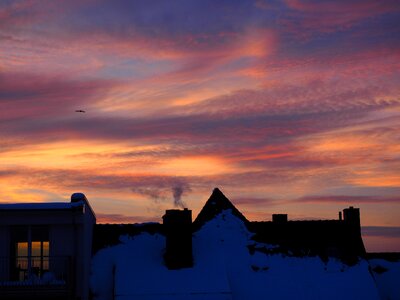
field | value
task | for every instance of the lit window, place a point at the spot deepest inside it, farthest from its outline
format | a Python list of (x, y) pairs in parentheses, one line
[(32, 252)]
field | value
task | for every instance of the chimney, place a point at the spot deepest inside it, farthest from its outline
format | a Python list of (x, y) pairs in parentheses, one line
[(279, 218), (178, 231), (351, 216)]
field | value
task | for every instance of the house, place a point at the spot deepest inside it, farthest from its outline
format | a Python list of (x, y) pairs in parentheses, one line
[(223, 256), (45, 249)]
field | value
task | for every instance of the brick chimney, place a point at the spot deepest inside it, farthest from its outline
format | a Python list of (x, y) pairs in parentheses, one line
[(178, 231)]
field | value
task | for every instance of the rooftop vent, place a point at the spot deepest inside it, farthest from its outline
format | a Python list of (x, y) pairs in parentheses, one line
[(77, 197)]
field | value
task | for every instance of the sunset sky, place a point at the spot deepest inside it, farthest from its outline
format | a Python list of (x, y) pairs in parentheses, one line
[(287, 106)]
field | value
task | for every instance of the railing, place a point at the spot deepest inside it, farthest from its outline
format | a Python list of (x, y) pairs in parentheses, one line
[(35, 271)]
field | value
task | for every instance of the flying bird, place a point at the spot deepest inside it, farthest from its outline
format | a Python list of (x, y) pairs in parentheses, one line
[(80, 111)]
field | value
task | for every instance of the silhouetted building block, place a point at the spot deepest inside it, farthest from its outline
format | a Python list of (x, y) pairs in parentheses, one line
[(279, 218), (178, 232), (44, 243)]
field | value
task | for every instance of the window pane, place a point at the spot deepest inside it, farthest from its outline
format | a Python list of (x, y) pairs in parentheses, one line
[(45, 264), (22, 249), (22, 263), (22, 259), (36, 248), (35, 262), (45, 248)]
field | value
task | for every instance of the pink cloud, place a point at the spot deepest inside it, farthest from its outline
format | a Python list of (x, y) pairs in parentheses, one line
[(330, 16), (19, 15), (247, 116), (366, 7), (34, 96)]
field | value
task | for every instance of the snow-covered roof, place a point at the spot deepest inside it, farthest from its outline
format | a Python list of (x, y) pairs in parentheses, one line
[(214, 206), (224, 268)]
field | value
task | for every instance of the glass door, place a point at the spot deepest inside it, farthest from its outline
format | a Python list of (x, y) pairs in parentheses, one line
[(22, 260), (31, 247), (40, 257)]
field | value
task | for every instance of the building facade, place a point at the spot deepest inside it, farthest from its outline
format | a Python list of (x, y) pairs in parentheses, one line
[(45, 249)]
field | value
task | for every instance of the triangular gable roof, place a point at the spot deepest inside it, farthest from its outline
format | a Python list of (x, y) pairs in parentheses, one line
[(217, 203)]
